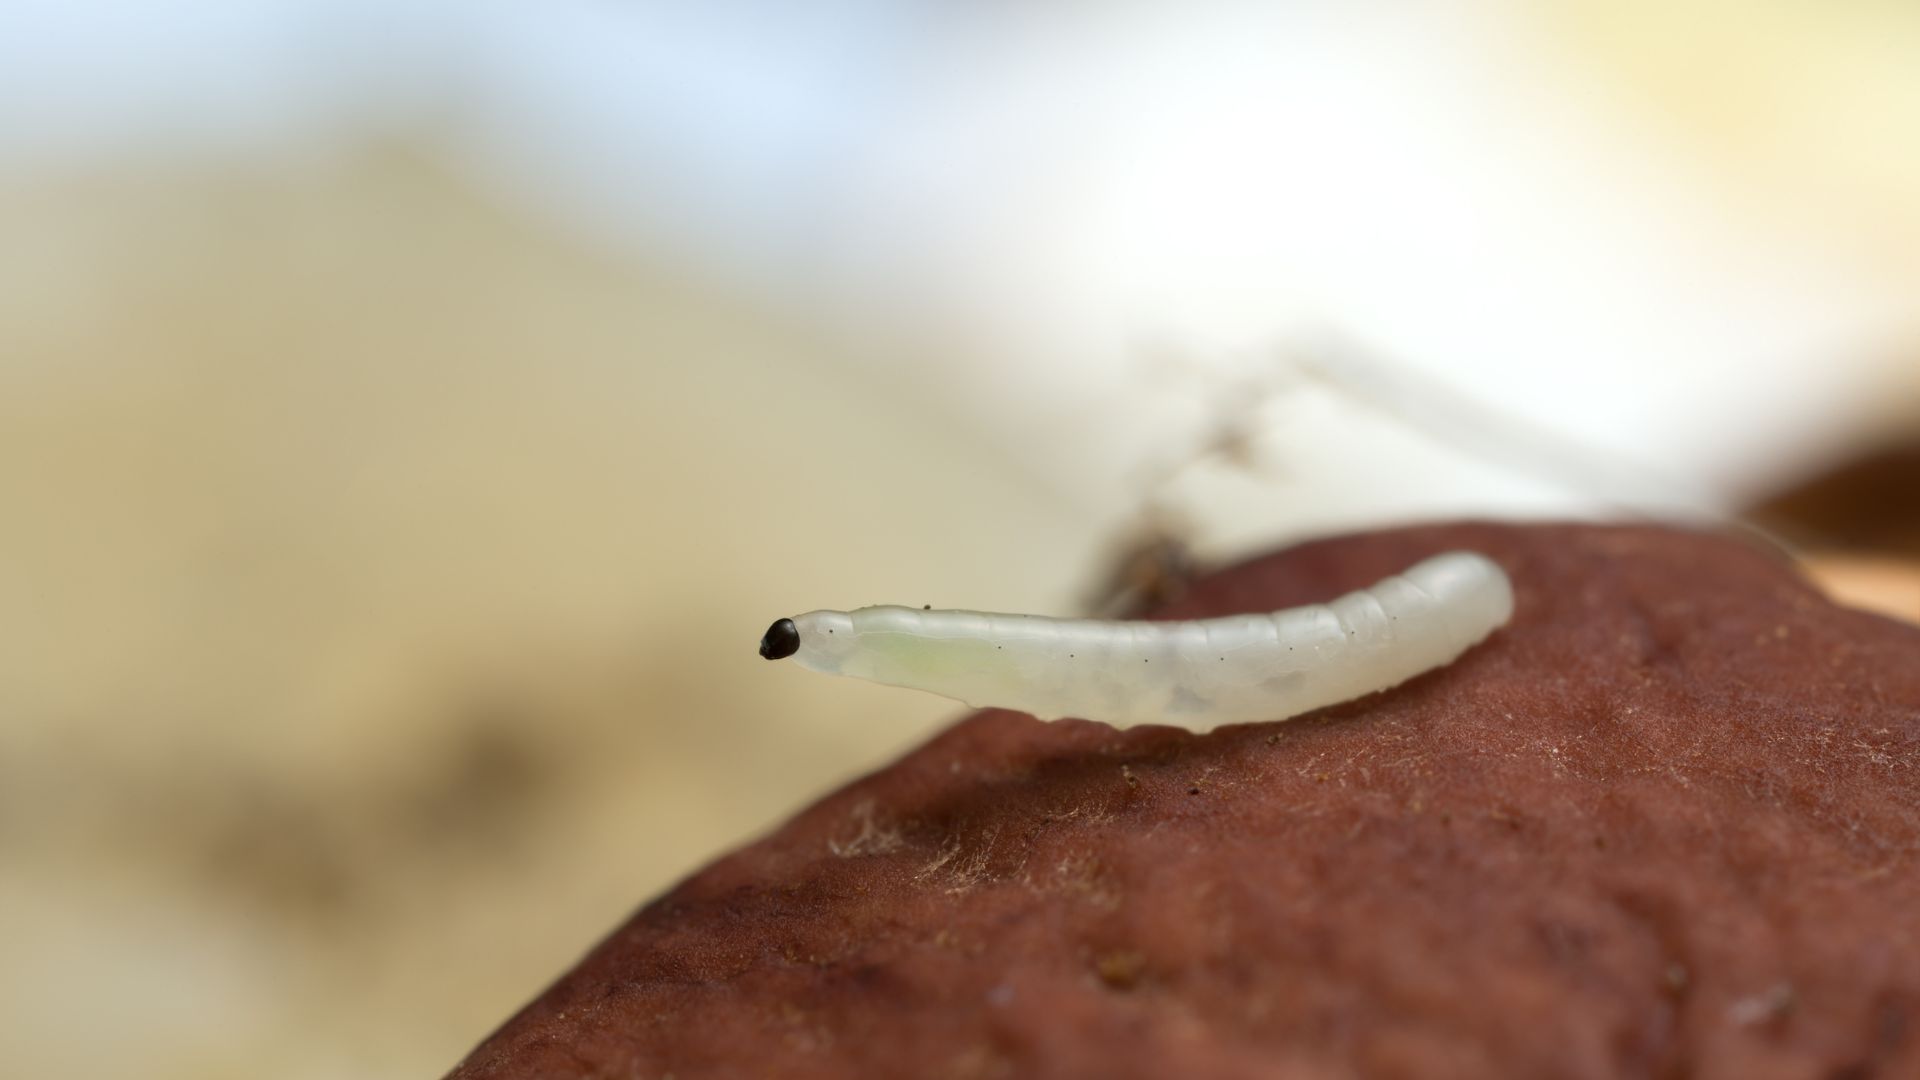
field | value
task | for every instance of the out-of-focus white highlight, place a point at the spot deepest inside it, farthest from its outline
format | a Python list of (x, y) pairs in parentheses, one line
[(1048, 193)]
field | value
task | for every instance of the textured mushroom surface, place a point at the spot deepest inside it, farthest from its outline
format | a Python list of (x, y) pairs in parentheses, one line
[(1663, 824)]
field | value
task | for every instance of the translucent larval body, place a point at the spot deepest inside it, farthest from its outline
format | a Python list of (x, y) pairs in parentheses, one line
[(1196, 674)]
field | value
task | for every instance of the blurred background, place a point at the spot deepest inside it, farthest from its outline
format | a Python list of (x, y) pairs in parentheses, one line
[(411, 415)]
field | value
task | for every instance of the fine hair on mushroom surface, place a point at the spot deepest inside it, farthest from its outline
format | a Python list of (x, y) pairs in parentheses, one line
[(1651, 828)]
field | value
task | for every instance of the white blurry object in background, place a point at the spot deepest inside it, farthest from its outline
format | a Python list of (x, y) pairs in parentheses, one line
[(1020, 201)]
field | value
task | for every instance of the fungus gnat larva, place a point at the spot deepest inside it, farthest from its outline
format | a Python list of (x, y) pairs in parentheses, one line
[(1198, 674)]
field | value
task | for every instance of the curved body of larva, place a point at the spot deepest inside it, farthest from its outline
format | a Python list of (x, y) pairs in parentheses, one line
[(1199, 674)]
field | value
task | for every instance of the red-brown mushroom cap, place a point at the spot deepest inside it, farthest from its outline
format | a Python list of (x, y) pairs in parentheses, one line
[(1665, 823)]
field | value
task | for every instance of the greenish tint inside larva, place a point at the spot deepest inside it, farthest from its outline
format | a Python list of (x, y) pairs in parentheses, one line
[(1195, 674)]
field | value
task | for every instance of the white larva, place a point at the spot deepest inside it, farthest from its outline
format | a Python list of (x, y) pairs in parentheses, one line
[(1199, 674)]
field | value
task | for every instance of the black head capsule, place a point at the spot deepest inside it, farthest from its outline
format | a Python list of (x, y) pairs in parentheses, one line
[(781, 640)]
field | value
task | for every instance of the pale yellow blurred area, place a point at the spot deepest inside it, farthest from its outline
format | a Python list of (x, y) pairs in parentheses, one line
[(1807, 110), (1883, 585), (381, 580)]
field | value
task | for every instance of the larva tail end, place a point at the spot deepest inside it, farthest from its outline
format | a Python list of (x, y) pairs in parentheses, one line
[(781, 640)]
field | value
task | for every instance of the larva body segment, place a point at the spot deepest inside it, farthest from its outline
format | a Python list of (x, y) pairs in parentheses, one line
[(1197, 674)]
